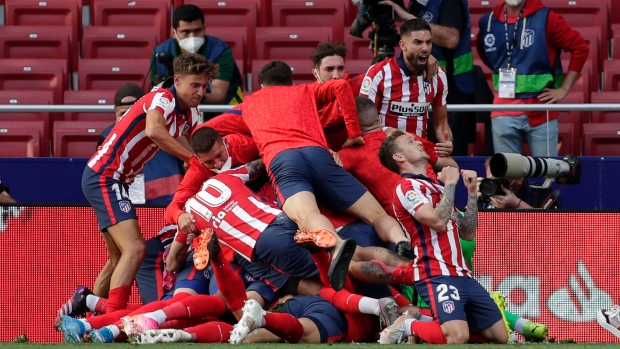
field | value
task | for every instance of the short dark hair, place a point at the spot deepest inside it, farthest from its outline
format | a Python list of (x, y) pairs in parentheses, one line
[(275, 73), (366, 111), (389, 148), (326, 49), (194, 64), (187, 13), (414, 25), (204, 138)]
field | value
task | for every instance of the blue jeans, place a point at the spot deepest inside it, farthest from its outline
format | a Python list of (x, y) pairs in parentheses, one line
[(508, 132)]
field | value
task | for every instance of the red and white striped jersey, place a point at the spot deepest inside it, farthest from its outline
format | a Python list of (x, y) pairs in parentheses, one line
[(436, 252), (236, 214), (402, 98), (127, 148)]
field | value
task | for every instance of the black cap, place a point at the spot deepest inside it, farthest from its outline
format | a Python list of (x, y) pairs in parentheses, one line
[(127, 90)]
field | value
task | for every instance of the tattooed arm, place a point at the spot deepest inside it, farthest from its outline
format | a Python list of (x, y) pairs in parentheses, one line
[(437, 217), (255, 169), (469, 222)]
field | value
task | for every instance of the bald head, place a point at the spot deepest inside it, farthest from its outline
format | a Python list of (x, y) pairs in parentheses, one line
[(367, 113)]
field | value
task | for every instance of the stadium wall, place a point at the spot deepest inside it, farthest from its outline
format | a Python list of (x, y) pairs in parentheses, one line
[(556, 268), (58, 181)]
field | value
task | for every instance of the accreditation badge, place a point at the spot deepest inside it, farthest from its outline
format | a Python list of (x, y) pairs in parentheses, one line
[(507, 82)]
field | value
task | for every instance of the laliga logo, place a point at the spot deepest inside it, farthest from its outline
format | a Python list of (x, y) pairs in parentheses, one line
[(561, 302)]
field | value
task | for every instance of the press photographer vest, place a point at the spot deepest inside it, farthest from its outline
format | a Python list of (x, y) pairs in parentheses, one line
[(529, 56), (212, 49), (463, 58)]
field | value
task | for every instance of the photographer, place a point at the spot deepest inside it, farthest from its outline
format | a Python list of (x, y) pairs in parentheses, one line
[(517, 194)]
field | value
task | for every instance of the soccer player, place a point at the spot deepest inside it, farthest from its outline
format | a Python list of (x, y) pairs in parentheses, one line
[(401, 93), (440, 275), (297, 158), (213, 153), (153, 122)]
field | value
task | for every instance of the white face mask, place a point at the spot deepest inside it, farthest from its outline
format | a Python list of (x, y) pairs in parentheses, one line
[(227, 166), (514, 3), (191, 44)]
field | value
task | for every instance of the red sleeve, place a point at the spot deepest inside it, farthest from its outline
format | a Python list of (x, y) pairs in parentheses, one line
[(346, 156), (561, 35), (241, 148), (192, 181), (340, 91), (228, 123)]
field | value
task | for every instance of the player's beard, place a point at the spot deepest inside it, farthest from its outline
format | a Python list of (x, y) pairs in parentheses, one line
[(413, 60)]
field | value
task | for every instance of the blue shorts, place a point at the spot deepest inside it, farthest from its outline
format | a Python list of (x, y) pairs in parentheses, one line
[(363, 234), (459, 298), (108, 197), (251, 284), (313, 169), (149, 276), (276, 247), (331, 323), (192, 278)]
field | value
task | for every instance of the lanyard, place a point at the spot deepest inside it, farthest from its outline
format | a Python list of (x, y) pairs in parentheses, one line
[(510, 45)]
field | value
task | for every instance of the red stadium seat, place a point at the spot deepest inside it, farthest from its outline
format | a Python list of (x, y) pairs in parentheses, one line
[(316, 13), (605, 97), (34, 74), (232, 13), (77, 139), (110, 74), (584, 13), (142, 13), (119, 42), (611, 75), (26, 97), (587, 81), (301, 68), (355, 67), (601, 139), (477, 8), (598, 53), (236, 38), (65, 13), (21, 41), (289, 42), (477, 148), (358, 48), (574, 118), (568, 140), (89, 97), (21, 139)]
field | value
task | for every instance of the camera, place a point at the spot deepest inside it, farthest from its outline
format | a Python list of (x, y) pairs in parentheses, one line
[(516, 166), (493, 186), (383, 36), (166, 80)]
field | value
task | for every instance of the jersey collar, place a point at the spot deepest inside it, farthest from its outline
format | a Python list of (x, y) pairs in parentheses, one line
[(416, 176), (401, 64)]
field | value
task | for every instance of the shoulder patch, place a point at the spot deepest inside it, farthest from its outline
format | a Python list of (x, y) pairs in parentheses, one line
[(162, 102), (366, 83)]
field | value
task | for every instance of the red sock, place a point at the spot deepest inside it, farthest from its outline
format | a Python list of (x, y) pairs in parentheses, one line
[(211, 332), (343, 300), (430, 332), (107, 319), (360, 327), (101, 306), (118, 298), (195, 306), (322, 259), (285, 326), (477, 338), (230, 284), (426, 311), (182, 323), (399, 298)]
